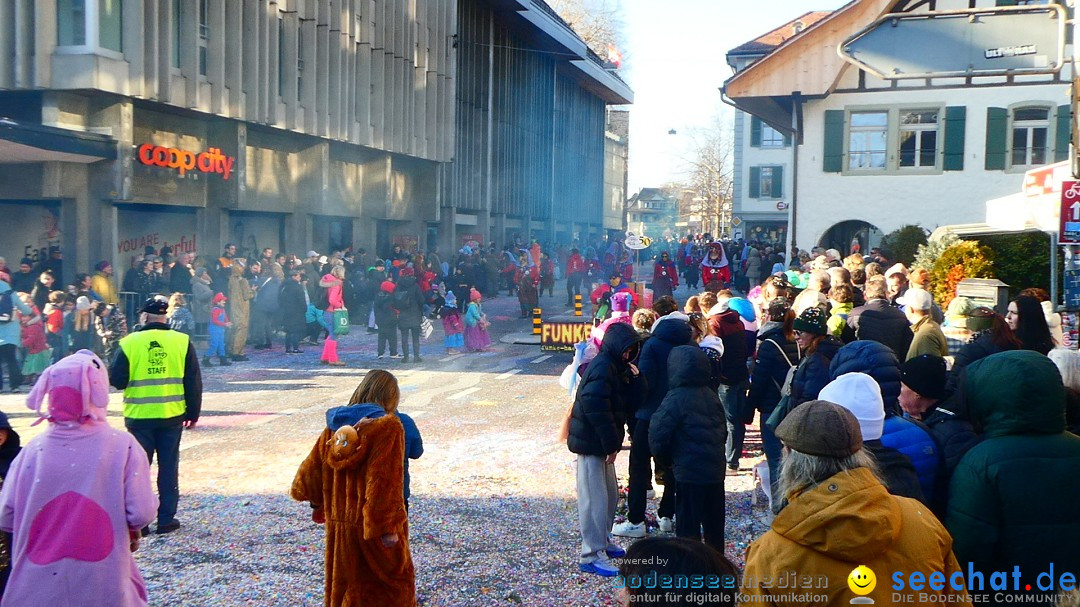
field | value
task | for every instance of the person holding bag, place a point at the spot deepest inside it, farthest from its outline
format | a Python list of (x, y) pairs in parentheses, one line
[(333, 283), (774, 367)]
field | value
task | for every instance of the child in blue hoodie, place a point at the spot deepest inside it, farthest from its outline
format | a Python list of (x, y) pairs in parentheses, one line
[(376, 396)]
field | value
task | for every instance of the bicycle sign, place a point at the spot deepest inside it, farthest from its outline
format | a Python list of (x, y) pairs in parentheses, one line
[(1069, 229)]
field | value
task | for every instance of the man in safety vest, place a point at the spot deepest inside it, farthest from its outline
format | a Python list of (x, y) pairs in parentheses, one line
[(158, 370)]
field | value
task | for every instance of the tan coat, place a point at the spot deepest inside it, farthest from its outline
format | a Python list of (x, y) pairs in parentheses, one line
[(360, 487), (240, 296), (846, 521)]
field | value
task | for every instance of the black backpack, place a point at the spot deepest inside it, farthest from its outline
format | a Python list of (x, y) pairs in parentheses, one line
[(7, 307), (324, 298), (401, 298)]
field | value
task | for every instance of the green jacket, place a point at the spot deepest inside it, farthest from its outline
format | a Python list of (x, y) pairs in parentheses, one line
[(928, 339), (838, 319), (1014, 499)]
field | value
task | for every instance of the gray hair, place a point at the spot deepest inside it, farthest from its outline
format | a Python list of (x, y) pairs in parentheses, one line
[(819, 281), (875, 287), (799, 471)]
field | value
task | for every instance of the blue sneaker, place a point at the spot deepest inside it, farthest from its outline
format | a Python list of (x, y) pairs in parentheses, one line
[(615, 552), (601, 568)]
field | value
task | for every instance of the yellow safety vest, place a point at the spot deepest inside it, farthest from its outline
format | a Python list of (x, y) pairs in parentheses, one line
[(155, 387)]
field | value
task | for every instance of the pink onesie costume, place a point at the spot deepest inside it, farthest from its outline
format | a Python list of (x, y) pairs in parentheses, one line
[(72, 496)]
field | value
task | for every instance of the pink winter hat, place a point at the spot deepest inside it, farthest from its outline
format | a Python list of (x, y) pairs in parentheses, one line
[(77, 388), (620, 302)]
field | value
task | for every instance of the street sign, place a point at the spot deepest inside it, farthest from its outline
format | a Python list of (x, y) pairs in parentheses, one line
[(999, 41), (1069, 230), (736, 221)]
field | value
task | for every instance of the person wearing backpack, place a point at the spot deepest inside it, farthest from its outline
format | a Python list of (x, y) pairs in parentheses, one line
[(773, 369), (10, 333)]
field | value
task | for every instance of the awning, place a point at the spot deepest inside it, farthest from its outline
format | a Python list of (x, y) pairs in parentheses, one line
[(22, 142)]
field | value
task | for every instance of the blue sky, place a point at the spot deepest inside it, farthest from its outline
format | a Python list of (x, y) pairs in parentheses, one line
[(675, 64)]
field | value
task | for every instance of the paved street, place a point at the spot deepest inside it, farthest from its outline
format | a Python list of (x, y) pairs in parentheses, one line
[(493, 515)]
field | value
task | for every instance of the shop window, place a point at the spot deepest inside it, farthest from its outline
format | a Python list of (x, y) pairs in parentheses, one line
[(71, 22), (111, 25)]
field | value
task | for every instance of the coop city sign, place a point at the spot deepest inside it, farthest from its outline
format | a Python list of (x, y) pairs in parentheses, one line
[(210, 161)]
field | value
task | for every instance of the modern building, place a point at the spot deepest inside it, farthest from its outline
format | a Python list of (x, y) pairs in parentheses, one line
[(871, 155), (293, 124), (763, 179), (616, 155), (653, 212)]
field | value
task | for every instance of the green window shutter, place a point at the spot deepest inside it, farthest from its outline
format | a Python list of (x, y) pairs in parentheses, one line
[(955, 120), (1062, 132), (1005, 3), (755, 182), (755, 131), (777, 182), (997, 125), (833, 158)]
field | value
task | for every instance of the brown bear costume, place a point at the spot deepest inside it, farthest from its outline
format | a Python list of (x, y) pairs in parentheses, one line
[(356, 476)]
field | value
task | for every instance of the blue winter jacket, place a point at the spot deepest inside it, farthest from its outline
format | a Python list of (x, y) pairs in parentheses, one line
[(812, 373), (878, 361), (667, 333)]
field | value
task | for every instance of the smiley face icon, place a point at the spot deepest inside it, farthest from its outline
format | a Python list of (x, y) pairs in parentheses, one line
[(862, 580)]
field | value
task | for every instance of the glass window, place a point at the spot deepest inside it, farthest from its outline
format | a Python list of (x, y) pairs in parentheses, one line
[(867, 139), (71, 22), (918, 138), (765, 182), (1030, 136), (280, 56), (176, 33), (111, 25), (770, 137), (300, 62), (204, 34)]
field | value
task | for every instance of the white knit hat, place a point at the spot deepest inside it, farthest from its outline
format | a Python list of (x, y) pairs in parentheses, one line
[(860, 394)]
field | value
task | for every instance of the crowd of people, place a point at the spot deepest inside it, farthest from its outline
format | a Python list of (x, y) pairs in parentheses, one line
[(897, 434)]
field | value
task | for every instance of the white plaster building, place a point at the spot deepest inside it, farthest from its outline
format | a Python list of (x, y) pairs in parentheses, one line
[(873, 155)]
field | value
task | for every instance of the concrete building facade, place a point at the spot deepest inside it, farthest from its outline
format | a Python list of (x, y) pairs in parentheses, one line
[(290, 124)]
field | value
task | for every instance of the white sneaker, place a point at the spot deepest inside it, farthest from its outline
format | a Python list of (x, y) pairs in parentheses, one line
[(666, 524), (628, 529)]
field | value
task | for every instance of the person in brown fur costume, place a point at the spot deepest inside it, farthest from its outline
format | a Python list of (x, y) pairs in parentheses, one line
[(353, 479)]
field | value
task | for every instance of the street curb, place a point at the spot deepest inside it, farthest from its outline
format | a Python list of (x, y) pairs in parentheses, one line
[(525, 339)]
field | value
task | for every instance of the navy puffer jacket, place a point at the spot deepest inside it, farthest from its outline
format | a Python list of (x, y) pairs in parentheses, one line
[(689, 429), (606, 392), (876, 360), (668, 332)]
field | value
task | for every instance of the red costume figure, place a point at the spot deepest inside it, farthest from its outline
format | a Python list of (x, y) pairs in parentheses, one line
[(715, 267), (665, 277)]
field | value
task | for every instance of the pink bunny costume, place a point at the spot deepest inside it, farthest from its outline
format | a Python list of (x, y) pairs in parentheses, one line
[(73, 494)]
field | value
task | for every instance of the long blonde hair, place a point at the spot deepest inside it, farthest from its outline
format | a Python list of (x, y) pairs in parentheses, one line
[(379, 387), (176, 300)]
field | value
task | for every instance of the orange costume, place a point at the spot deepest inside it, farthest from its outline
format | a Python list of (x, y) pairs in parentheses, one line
[(356, 476)]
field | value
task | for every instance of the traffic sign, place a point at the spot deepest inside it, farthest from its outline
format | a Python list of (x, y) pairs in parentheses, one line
[(1069, 229), (736, 221), (998, 41)]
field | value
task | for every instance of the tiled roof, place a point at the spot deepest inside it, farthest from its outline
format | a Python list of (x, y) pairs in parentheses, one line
[(767, 42)]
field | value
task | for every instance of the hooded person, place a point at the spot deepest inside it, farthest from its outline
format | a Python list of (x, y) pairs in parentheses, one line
[(610, 387), (840, 519), (668, 332), (665, 276), (1013, 499), (75, 520), (689, 430), (860, 394), (715, 267), (354, 479), (620, 313)]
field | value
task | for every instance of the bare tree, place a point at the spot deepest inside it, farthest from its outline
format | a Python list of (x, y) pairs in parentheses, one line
[(708, 171), (597, 24)]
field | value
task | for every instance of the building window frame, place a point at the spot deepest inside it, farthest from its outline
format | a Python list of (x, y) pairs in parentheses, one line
[(203, 38), (774, 173), (894, 139), (1031, 126), (90, 29), (772, 138)]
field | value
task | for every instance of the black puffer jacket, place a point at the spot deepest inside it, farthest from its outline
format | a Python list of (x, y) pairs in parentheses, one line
[(954, 436), (876, 360), (813, 372), (409, 302), (668, 333), (730, 329), (771, 368), (880, 322), (606, 392), (689, 429)]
